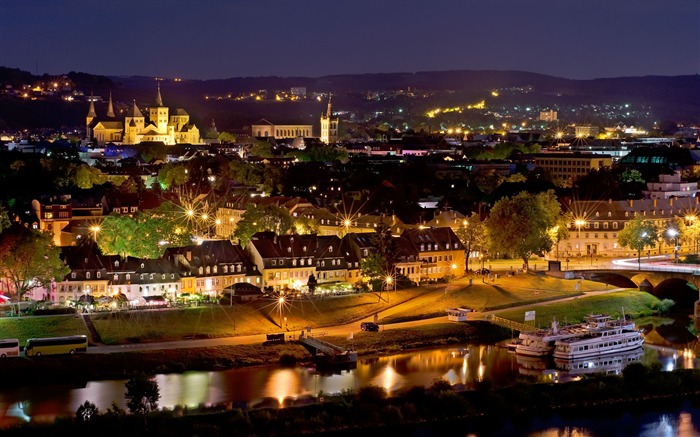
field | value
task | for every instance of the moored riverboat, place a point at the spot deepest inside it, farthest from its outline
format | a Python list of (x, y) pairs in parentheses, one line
[(598, 341)]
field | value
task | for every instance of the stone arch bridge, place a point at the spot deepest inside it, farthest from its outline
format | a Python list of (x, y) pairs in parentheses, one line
[(682, 287)]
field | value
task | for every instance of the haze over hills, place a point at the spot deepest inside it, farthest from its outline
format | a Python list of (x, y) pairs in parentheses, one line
[(674, 98)]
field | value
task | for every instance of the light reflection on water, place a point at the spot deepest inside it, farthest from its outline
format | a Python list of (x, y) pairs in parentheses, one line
[(463, 367)]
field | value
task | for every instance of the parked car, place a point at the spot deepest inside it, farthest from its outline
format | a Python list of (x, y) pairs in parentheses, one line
[(369, 326), (482, 271)]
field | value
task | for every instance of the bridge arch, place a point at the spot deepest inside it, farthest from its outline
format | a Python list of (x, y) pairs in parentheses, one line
[(681, 291)]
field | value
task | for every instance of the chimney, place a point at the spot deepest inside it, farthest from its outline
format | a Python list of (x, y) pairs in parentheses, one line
[(631, 202), (609, 201), (654, 200), (697, 200), (670, 201)]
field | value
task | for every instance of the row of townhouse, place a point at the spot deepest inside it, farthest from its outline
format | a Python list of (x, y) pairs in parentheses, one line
[(207, 269), (280, 263), (596, 224)]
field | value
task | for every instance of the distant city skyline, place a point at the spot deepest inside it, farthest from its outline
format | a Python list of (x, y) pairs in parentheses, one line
[(216, 39)]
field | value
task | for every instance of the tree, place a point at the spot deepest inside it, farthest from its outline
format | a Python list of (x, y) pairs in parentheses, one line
[(520, 225), (4, 219), (145, 235), (381, 261), (84, 176), (560, 230), (262, 149), (142, 394), (29, 259), (263, 218), (472, 234), (173, 175), (86, 412), (638, 235), (305, 225)]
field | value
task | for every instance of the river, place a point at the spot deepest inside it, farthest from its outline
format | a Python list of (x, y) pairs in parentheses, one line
[(464, 367)]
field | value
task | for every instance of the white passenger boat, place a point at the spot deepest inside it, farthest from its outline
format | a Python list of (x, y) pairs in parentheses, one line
[(598, 341), (540, 343)]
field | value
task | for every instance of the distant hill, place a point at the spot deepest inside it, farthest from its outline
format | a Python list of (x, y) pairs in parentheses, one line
[(661, 97)]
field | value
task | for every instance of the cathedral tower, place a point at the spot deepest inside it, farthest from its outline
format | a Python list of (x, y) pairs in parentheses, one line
[(158, 114), (329, 125), (88, 119)]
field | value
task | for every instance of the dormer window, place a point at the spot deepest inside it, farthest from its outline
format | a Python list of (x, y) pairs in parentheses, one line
[(609, 214), (87, 275), (330, 249), (216, 269), (128, 276), (116, 263), (304, 248), (116, 278), (289, 249), (72, 275), (163, 277), (99, 275), (143, 265)]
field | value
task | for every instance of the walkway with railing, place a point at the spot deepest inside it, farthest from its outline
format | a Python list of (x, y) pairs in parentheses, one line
[(510, 324), (319, 345)]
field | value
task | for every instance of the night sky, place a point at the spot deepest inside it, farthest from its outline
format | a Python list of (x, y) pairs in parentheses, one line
[(210, 39)]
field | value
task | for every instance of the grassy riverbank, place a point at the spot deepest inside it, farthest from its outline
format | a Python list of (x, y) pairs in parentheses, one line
[(635, 303), (84, 367), (215, 321)]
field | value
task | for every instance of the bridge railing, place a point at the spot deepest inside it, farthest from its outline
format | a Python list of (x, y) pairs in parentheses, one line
[(510, 324)]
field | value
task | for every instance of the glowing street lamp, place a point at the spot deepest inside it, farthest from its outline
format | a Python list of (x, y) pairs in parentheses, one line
[(281, 303), (95, 229), (674, 234), (579, 223)]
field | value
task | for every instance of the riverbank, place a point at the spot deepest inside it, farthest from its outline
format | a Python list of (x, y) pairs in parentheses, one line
[(79, 368)]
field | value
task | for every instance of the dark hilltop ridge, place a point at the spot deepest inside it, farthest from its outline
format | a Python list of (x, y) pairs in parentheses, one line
[(662, 97)]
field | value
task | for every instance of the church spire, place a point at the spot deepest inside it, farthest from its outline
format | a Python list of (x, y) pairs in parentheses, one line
[(110, 107), (329, 111), (159, 99), (91, 110)]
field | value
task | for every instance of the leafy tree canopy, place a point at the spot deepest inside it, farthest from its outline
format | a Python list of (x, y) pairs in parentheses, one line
[(520, 225), (29, 259), (263, 218)]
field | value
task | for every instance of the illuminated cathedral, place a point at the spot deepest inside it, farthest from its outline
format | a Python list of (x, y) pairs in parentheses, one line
[(160, 125)]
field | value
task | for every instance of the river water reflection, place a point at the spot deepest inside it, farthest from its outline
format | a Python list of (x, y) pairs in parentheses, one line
[(464, 367)]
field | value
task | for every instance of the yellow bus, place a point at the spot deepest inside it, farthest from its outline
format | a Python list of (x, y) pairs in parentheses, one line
[(56, 345), (9, 348)]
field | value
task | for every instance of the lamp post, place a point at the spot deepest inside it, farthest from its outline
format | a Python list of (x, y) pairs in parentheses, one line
[(281, 302), (579, 223), (691, 223), (95, 229), (674, 234)]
